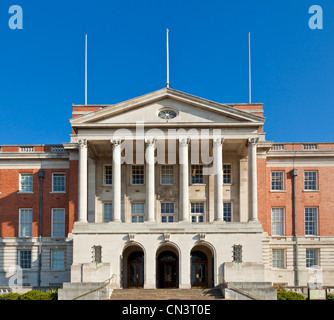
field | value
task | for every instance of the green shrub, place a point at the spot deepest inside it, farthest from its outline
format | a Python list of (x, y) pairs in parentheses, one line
[(330, 296), (282, 294), (10, 296), (31, 295), (35, 295)]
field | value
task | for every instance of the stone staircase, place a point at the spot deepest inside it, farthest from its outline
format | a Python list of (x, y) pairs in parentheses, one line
[(167, 294)]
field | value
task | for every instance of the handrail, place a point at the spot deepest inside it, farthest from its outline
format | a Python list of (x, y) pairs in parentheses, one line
[(237, 289), (101, 287)]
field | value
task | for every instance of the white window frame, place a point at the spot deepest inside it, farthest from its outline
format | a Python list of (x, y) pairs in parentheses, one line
[(20, 260), (280, 222), (104, 210), (230, 173), (197, 214), (53, 251), (104, 175), (62, 173), (316, 181), (191, 174), (20, 182), (284, 258), (53, 224), (131, 175), (136, 215), (168, 214), (228, 202), (316, 222), (308, 259), (172, 175), (283, 180), (26, 223)]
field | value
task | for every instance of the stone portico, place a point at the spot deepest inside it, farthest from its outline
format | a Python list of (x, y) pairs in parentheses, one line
[(209, 152)]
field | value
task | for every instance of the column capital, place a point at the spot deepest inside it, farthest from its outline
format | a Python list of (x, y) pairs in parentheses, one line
[(82, 143), (116, 142), (218, 141), (183, 142), (253, 141), (150, 141)]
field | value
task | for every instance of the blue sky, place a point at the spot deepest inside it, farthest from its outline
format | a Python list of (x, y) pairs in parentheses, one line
[(42, 66)]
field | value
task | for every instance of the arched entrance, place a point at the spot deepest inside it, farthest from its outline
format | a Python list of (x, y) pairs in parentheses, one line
[(199, 270), (133, 267), (167, 267), (136, 270), (201, 267)]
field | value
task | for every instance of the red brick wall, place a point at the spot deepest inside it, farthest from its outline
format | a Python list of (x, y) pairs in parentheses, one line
[(11, 201), (323, 199)]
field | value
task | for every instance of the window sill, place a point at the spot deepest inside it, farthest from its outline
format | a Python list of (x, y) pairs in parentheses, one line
[(58, 192), (311, 190), (25, 192), (277, 191)]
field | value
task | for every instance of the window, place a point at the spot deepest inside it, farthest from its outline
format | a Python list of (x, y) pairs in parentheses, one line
[(58, 182), (25, 228), (227, 174), (167, 174), (107, 212), (312, 257), (237, 253), (277, 180), (97, 254), (137, 212), (197, 212), (278, 258), (277, 221), (107, 175), (167, 114), (26, 180), (196, 174), (137, 174), (167, 211), (227, 214), (310, 180), (25, 259), (58, 222), (57, 259), (311, 221)]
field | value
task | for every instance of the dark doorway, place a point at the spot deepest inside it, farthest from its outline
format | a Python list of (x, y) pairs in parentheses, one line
[(199, 270), (167, 270), (136, 270)]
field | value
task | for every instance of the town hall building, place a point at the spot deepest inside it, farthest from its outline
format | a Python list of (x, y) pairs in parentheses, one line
[(167, 190)]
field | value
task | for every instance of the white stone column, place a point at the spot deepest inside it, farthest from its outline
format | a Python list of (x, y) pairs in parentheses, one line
[(116, 180), (91, 189), (150, 190), (218, 171), (243, 193), (252, 178), (184, 179), (82, 185)]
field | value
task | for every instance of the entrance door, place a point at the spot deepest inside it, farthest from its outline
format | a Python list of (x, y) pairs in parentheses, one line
[(199, 270), (168, 270), (136, 270)]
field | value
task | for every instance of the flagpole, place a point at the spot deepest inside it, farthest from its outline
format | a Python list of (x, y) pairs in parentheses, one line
[(249, 62), (86, 71), (167, 82)]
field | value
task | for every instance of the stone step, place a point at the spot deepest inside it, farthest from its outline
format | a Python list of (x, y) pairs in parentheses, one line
[(167, 294)]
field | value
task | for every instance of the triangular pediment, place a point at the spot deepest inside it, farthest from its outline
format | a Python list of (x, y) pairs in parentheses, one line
[(189, 110)]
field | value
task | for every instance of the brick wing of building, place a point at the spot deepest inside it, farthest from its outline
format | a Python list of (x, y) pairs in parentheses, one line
[(166, 190)]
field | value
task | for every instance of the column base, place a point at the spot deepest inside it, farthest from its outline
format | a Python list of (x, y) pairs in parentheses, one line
[(220, 221)]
